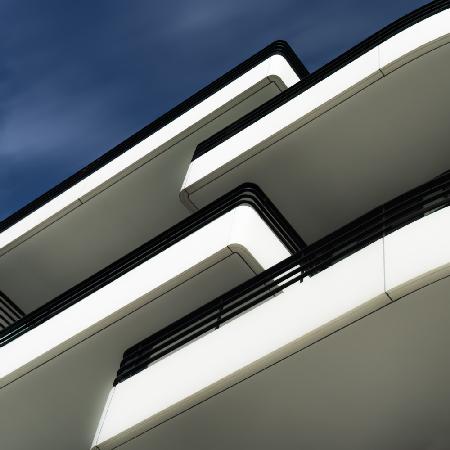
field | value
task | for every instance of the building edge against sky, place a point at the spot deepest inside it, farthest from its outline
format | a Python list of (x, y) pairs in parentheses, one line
[(168, 295)]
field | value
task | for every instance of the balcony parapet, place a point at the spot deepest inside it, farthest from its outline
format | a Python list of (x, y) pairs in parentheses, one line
[(243, 222), (377, 259)]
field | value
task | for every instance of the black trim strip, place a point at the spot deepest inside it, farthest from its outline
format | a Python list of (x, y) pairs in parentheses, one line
[(9, 311), (244, 194), (275, 48), (320, 74), (316, 257)]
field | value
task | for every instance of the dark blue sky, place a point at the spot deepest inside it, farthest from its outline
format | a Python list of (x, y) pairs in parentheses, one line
[(78, 77)]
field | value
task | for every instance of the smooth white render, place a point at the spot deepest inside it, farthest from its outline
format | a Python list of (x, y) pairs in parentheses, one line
[(418, 251), (274, 69), (240, 231), (415, 41), (302, 314), (202, 368), (429, 34)]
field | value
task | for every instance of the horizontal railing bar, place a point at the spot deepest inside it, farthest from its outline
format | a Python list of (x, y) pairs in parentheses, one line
[(350, 238), (244, 194)]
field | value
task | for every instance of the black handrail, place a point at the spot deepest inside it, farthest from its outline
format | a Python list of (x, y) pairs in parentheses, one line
[(244, 194), (9, 311), (275, 48), (316, 257)]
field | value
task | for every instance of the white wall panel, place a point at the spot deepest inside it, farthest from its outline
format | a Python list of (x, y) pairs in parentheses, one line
[(168, 269), (418, 254), (274, 67), (256, 137), (303, 313), (416, 40)]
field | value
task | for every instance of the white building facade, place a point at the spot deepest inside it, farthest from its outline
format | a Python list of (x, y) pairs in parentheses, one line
[(264, 266)]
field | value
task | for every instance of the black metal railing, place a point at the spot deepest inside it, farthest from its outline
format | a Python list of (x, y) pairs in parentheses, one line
[(316, 257), (244, 194), (9, 311), (275, 48)]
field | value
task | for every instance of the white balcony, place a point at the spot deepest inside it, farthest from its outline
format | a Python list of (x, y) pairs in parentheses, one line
[(380, 383), (234, 247), (355, 356), (275, 331), (131, 198), (244, 354), (367, 132)]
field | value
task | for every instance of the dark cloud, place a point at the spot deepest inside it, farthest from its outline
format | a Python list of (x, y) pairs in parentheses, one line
[(76, 78)]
